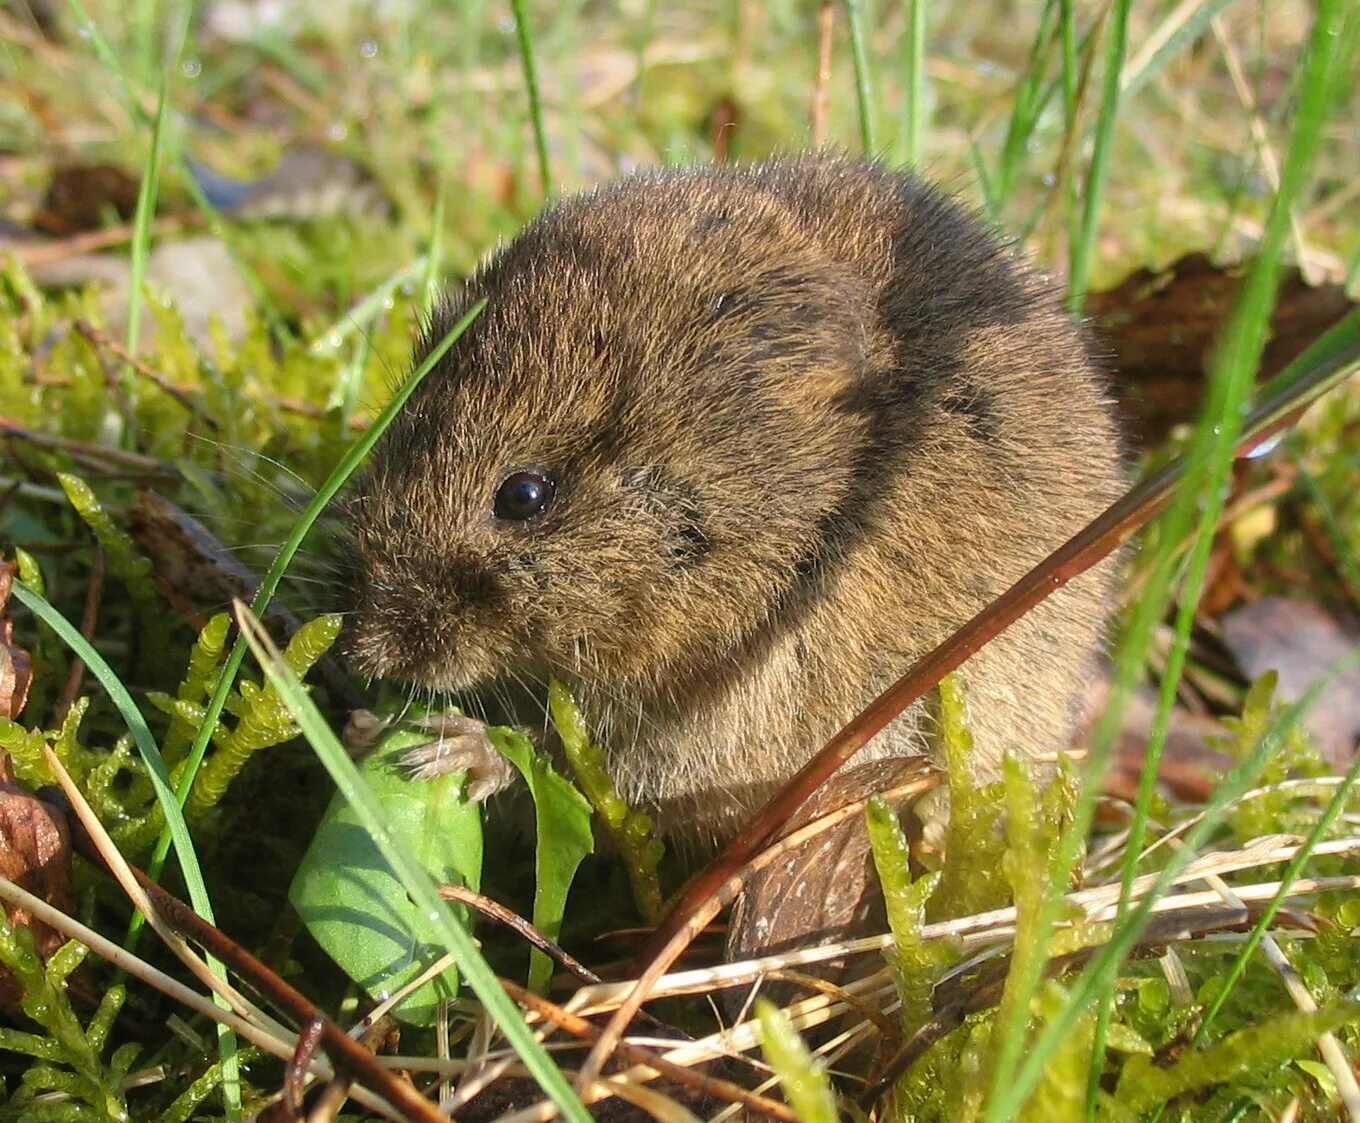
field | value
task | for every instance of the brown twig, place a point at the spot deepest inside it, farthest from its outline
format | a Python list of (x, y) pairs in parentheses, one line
[(713, 902), (43, 253), (1079, 553), (345, 1053), (89, 616), (295, 1076), (496, 911), (884, 1024), (99, 341), (105, 457)]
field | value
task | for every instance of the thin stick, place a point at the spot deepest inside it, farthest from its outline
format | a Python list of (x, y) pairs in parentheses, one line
[(1094, 542), (826, 22)]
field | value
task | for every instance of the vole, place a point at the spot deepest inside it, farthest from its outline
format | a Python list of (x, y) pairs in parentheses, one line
[(727, 450)]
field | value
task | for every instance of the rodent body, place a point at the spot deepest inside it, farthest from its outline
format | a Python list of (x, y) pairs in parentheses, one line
[(796, 423)]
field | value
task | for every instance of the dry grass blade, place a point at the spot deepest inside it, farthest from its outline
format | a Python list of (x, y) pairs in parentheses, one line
[(648, 1059), (714, 904), (175, 923), (107, 852)]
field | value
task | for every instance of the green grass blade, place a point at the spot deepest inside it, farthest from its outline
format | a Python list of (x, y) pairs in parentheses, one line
[(416, 881), (1093, 195), (864, 94), (269, 585), (915, 83), (1181, 28), (644, 38), (530, 68), (176, 828), (1031, 95), (141, 224), (434, 256), (1196, 504)]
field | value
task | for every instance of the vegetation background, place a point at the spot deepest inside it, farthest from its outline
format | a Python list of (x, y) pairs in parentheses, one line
[(222, 223)]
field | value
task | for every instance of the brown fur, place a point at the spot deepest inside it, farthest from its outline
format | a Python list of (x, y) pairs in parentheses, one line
[(806, 418)]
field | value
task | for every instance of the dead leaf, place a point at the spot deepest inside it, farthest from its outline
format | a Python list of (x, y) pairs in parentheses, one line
[(16, 666), (1301, 641), (194, 571), (1161, 324), (1189, 768), (826, 889), (35, 853), (83, 196)]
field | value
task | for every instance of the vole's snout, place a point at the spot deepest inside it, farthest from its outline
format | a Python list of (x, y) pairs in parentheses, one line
[(425, 621)]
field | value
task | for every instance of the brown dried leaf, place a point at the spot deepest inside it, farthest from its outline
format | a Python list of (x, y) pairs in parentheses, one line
[(1301, 641), (1189, 769), (82, 196), (16, 666), (192, 568), (35, 853), (826, 889), (1160, 326)]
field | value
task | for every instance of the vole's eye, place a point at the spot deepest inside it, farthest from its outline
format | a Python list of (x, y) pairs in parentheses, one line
[(524, 495)]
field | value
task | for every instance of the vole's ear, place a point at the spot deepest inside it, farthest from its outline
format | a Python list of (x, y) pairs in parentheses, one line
[(805, 330)]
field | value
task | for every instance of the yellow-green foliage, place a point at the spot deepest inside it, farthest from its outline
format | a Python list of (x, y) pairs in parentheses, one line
[(631, 830), (262, 718), (197, 684), (1144, 1085), (972, 879), (916, 963), (71, 1075), (1275, 811), (803, 1078), (48, 655), (125, 562)]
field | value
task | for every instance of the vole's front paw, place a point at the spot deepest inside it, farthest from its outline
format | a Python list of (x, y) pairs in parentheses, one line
[(460, 745)]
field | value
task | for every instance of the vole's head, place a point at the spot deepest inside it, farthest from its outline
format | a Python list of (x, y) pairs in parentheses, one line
[(632, 457)]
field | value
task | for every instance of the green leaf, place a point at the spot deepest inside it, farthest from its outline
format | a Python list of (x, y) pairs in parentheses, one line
[(562, 839), (352, 902), (418, 884)]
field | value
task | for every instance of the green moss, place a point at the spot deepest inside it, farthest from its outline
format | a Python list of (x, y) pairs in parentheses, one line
[(916, 963), (71, 1065)]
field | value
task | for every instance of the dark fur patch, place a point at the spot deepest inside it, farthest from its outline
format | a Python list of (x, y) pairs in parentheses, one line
[(679, 507), (469, 583), (975, 406), (712, 222)]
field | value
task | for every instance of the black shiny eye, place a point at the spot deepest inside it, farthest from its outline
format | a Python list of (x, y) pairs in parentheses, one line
[(524, 495)]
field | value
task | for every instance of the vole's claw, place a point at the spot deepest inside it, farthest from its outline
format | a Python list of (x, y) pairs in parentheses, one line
[(460, 745)]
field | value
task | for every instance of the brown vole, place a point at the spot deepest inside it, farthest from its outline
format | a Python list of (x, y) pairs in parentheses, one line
[(727, 450)]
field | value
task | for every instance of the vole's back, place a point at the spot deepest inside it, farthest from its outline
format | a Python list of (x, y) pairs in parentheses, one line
[(800, 422), (985, 442)]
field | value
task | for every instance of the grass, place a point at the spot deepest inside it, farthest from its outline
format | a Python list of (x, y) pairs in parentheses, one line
[(1113, 135)]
